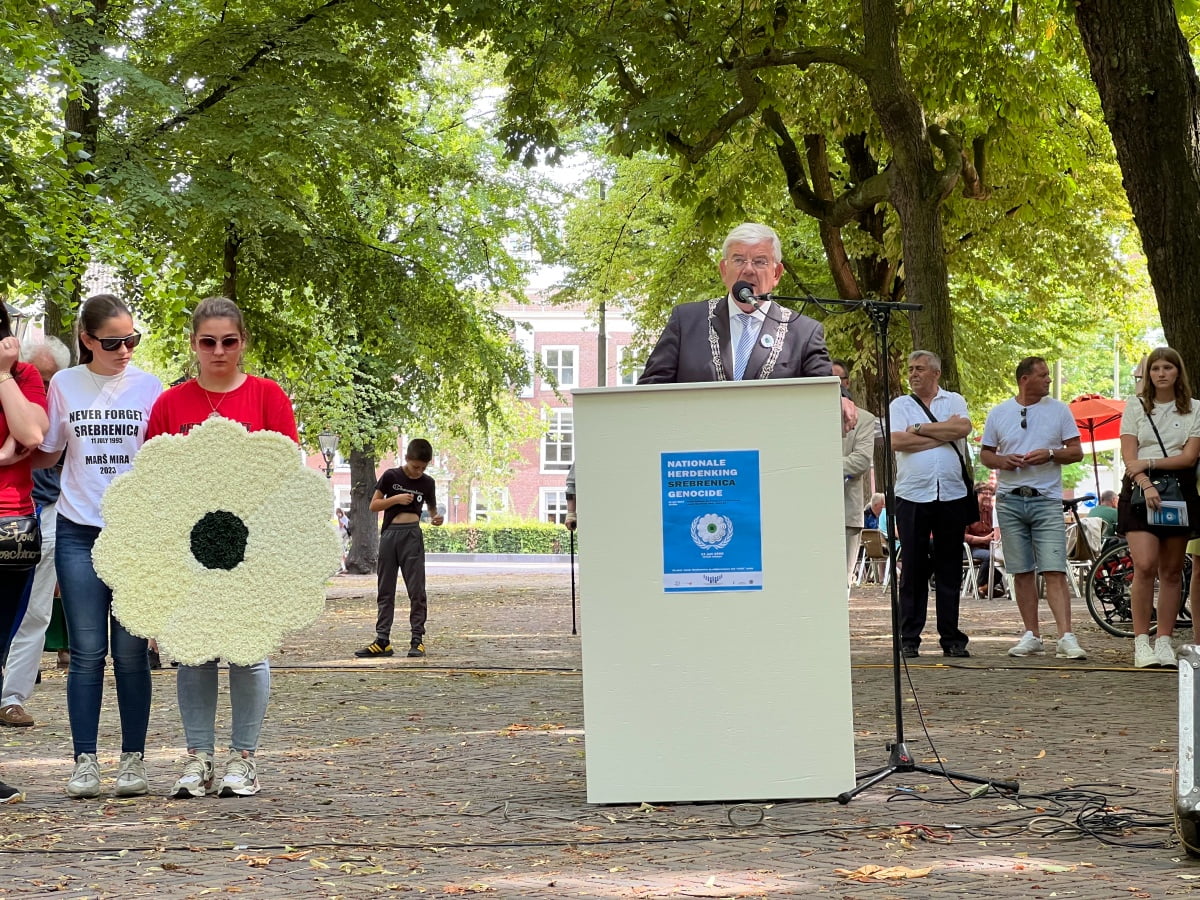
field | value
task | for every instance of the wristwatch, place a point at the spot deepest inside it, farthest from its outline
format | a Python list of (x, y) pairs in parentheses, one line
[(917, 428), (1051, 454)]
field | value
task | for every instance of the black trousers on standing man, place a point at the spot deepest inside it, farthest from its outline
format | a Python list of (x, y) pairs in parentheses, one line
[(931, 543)]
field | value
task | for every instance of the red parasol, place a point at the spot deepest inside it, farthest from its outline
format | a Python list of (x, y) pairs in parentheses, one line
[(1098, 419)]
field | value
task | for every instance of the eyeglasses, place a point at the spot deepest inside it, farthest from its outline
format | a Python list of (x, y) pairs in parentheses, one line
[(761, 263), (210, 343), (1024, 422), (113, 343)]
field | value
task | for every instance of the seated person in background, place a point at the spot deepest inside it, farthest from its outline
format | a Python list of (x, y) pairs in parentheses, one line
[(872, 512), (979, 537), (1106, 509)]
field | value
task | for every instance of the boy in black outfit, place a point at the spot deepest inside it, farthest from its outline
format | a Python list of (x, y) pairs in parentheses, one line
[(399, 495)]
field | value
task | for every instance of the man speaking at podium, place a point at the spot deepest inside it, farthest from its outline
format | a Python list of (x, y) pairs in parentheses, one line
[(743, 335)]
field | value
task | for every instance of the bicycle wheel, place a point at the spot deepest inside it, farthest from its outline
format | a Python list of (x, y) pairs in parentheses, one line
[(1107, 594), (1108, 598)]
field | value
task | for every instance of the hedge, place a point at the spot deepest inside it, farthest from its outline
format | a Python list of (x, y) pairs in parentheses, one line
[(483, 538)]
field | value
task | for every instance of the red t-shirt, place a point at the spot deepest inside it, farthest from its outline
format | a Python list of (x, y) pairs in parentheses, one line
[(16, 481), (258, 403)]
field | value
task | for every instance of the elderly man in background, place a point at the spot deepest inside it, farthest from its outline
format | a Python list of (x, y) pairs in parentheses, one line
[(858, 454), (25, 650), (1106, 511)]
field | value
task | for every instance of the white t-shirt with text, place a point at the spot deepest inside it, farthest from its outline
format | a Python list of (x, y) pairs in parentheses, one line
[(1174, 428), (101, 420)]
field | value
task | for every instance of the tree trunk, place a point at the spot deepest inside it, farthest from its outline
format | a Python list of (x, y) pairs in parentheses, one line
[(1148, 88), (81, 124), (364, 524), (918, 188), (232, 243)]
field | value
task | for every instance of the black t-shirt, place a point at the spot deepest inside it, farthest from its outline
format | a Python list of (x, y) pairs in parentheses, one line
[(396, 481)]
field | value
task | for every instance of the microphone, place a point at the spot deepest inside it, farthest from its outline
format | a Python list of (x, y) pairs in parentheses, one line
[(743, 291)]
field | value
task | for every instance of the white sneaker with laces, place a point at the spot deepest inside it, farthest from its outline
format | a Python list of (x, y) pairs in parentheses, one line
[(85, 780), (131, 776), (197, 777), (1029, 643), (1165, 652), (241, 776), (1143, 654), (1068, 647)]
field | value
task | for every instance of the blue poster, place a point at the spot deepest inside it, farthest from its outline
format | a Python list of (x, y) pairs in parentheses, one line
[(712, 521)]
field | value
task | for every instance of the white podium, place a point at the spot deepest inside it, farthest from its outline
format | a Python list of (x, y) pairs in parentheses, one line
[(706, 678)]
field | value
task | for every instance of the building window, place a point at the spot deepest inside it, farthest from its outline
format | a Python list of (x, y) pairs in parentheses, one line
[(554, 506), (524, 339), (558, 444), (486, 503), (627, 372), (561, 363)]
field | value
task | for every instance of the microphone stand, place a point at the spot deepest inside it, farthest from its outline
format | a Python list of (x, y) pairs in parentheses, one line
[(900, 761)]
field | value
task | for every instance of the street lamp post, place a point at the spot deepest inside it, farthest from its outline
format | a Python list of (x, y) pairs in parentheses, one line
[(329, 444)]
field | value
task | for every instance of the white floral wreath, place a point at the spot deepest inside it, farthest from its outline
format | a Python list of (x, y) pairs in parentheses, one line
[(217, 542)]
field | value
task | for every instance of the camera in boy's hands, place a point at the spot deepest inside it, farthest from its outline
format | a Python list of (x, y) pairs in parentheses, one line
[(417, 497)]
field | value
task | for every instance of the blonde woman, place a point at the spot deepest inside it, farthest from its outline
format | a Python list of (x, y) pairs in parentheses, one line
[(1160, 436)]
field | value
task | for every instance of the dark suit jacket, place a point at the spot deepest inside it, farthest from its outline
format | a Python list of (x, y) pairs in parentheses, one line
[(683, 353)]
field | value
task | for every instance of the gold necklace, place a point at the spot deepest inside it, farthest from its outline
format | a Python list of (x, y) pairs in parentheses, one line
[(213, 414)]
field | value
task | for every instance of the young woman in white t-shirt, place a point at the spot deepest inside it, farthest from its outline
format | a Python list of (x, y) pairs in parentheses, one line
[(1163, 405), (99, 411)]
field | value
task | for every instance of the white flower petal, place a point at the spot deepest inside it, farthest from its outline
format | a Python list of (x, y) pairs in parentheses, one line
[(161, 590)]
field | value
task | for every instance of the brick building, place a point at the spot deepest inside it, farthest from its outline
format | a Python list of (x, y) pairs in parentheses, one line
[(566, 338)]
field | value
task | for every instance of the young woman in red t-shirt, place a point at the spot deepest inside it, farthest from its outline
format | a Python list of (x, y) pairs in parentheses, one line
[(23, 418), (222, 389)]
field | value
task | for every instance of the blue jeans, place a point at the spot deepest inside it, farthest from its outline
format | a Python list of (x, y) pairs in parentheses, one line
[(249, 690), (87, 605), (1033, 532)]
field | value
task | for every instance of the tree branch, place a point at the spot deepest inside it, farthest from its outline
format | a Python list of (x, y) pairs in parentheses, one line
[(801, 58), (752, 92), (223, 90)]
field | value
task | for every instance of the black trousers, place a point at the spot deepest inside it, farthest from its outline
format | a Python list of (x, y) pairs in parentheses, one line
[(401, 550), (931, 543)]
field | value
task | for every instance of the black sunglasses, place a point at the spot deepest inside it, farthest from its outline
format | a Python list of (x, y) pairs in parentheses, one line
[(210, 343), (1024, 424), (112, 343)]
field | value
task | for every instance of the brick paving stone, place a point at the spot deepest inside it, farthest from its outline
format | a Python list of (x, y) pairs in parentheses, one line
[(463, 774)]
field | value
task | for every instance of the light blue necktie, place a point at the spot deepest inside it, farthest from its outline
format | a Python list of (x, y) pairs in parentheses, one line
[(741, 353)]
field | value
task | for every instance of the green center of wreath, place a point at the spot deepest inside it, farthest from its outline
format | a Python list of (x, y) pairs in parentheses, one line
[(219, 540)]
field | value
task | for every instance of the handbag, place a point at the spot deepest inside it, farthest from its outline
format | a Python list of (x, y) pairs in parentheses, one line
[(20, 542), (968, 506), (1166, 483)]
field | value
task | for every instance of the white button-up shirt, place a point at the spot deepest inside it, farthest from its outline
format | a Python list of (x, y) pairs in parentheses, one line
[(934, 474)]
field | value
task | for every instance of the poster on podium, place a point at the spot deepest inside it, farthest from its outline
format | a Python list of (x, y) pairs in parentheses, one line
[(711, 521)]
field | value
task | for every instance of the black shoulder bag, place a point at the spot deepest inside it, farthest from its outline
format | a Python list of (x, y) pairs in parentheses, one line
[(968, 505), (1166, 483)]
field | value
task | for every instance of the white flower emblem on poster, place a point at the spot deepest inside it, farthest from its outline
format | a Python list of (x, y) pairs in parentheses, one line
[(218, 542), (712, 531)]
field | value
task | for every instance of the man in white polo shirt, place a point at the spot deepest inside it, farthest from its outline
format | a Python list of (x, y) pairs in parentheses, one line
[(1028, 439)]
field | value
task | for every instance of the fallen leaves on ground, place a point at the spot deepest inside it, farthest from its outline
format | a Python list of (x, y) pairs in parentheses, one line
[(872, 873)]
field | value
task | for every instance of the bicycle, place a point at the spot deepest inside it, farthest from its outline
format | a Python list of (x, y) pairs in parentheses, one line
[(1107, 590)]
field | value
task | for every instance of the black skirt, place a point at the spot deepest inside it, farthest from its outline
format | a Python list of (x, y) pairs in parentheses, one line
[(1133, 518)]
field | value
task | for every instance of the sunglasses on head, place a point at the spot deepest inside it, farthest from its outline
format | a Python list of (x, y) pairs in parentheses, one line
[(114, 343), (210, 343)]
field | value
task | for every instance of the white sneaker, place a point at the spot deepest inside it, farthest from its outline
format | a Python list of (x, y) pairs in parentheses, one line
[(1143, 654), (131, 776), (197, 777), (1068, 647), (241, 776), (1165, 652), (1029, 643), (85, 780)]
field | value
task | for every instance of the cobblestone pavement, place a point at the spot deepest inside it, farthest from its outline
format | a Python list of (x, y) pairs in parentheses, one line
[(463, 773)]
